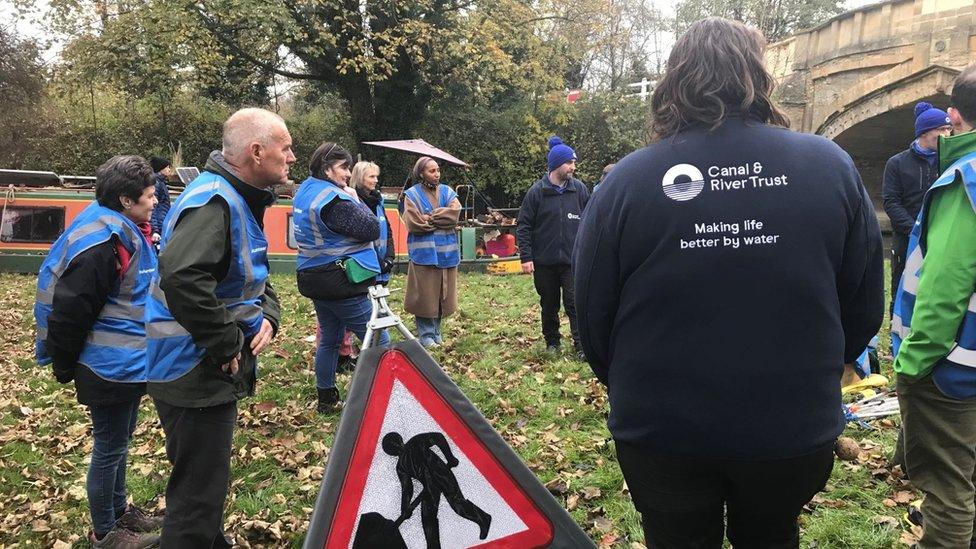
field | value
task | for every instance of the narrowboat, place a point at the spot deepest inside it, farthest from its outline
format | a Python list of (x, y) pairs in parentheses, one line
[(37, 206)]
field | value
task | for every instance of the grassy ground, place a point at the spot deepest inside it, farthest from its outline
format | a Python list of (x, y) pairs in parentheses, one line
[(548, 408)]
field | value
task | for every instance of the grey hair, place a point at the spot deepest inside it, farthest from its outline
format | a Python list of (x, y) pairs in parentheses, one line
[(122, 175), (359, 172), (247, 126)]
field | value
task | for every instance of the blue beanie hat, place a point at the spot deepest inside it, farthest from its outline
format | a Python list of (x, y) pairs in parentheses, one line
[(559, 153), (928, 118)]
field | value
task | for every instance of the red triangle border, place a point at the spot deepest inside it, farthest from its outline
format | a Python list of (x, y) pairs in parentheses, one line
[(396, 366)]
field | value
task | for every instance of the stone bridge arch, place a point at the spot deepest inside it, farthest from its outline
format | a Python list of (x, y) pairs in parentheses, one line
[(856, 78), (887, 96)]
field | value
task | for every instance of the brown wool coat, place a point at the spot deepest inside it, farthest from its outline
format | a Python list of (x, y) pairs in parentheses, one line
[(431, 291)]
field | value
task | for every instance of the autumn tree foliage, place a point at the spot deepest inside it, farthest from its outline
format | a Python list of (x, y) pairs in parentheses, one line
[(486, 79)]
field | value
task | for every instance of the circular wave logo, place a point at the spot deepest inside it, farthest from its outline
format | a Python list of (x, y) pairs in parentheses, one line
[(683, 182)]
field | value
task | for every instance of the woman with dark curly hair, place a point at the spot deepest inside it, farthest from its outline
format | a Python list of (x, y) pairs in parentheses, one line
[(724, 275)]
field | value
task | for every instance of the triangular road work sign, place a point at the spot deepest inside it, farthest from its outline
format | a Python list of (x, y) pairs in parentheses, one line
[(416, 465)]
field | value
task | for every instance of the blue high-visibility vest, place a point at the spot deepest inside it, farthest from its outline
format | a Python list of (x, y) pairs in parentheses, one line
[(439, 248), (116, 346), (956, 373), (381, 243), (317, 243), (171, 351)]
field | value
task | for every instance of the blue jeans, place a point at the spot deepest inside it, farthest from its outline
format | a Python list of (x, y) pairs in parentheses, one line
[(429, 331), (112, 427), (334, 318)]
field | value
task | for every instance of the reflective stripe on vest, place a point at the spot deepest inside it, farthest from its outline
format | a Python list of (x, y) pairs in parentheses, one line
[(439, 248), (115, 347), (171, 351), (964, 351), (317, 243)]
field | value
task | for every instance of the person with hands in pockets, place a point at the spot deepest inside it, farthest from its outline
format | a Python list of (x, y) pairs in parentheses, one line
[(211, 312)]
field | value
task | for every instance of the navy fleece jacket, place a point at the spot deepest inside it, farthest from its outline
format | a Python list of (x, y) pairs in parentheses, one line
[(722, 280), (549, 220), (907, 177)]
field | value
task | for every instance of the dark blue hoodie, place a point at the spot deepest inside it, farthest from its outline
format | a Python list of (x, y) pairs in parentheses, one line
[(722, 280)]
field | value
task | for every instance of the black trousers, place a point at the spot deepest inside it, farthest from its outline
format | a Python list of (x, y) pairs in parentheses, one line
[(685, 503), (549, 281), (899, 251), (198, 445)]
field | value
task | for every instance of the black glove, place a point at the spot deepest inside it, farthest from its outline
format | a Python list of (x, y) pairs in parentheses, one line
[(387, 266), (62, 373)]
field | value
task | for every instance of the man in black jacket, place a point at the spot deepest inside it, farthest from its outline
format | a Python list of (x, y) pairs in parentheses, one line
[(547, 225), (907, 176), (198, 410)]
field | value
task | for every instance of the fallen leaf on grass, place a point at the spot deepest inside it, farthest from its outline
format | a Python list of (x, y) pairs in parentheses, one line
[(902, 497), (557, 487), (608, 539), (591, 492), (571, 502), (264, 406), (892, 522)]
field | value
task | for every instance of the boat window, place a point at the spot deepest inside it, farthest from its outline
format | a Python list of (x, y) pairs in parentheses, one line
[(292, 243), (31, 224)]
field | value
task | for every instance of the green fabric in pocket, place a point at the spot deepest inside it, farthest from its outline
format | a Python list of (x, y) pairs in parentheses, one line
[(355, 272)]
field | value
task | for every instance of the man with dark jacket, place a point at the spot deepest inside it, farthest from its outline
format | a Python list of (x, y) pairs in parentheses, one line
[(907, 176), (213, 312), (547, 225)]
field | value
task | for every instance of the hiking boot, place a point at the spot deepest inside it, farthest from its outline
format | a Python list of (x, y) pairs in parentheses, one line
[(137, 520), (120, 538), (329, 401), (580, 356), (552, 348)]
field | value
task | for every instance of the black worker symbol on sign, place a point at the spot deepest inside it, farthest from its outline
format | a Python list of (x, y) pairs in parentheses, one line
[(417, 460)]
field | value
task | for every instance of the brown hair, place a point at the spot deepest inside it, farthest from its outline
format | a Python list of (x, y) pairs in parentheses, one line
[(325, 156), (715, 68)]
